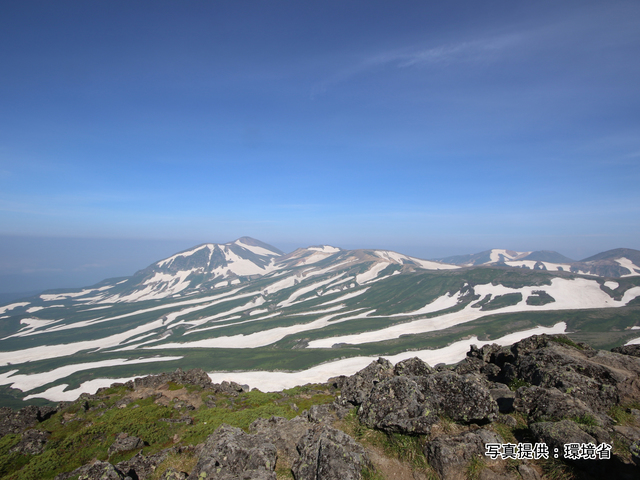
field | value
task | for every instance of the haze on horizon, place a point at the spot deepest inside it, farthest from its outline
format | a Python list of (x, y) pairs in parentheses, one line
[(130, 131)]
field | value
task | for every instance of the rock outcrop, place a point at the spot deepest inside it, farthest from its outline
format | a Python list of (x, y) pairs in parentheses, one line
[(230, 453), (329, 454)]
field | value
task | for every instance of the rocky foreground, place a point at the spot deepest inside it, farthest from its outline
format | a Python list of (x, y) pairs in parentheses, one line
[(545, 407)]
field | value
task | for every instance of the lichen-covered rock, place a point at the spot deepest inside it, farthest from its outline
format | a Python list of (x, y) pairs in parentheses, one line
[(327, 412), (142, 466), (172, 474), (284, 434), (412, 367), (101, 471), (544, 404), (24, 419), (594, 377), (633, 350), (398, 405), (230, 453), (503, 396), (230, 388), (329, 454), (356, 388), (557, 434), (469, 365), (32, 442), (195, 376), (124, 442), (463, 398), (449, 455), (634, 449)]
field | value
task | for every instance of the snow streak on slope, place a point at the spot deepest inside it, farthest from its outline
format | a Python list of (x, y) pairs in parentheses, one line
[(568, 294), (29, 382), (633, 268), (276, 381), (398, 258)]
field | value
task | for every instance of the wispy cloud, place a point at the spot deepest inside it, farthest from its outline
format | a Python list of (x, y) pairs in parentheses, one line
[(480, 50)]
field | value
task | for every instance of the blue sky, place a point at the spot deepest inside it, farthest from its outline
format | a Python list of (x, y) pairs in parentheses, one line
[(432, 128)]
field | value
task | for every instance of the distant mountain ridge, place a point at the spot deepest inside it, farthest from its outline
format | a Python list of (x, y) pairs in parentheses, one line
[(211, 266), (244, 306), (618, 262)]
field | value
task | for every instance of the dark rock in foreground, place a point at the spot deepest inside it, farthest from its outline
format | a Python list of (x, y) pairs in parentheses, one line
[(230, 453), (329, 454)]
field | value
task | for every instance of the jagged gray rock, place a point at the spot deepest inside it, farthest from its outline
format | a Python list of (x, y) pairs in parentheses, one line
[(463, 398), (544, 404), (142, 466), (503, 396), (633, 350), (450, 454), (32, 442), (229, 453), (100, 471), (124, 442), (24, 419), (195, 376), (284, 434), (398, 405), (412, 367), (557, 434), (327, 412), (595, 377), (172, 474), (357, 387), (329, 454)]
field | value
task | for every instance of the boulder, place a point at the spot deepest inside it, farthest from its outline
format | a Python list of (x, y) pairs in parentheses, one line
[(595, 377), (449, 455), (329, 454), (172, 474), (327, 412), (230, 453), (142, 466), (544, 404), (32, 442), (633, 350), (503, 396), (24, 419), (195, 376), (398, 405), (284, 434), (412, 367), (356, 388), (124, 442), (463, 398), (557, 434), (100, 471)]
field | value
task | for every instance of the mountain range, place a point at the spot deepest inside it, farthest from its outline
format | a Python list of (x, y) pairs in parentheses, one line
[(247, 312)]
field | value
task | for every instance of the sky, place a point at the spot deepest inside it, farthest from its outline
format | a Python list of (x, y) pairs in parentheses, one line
[(132, 130)]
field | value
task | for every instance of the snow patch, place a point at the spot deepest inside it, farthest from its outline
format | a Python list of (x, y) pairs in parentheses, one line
[(371, 273), (6, 308), (325, 249), (257, 250), (276, 381), (35, 380), (568, 294), (626, 263)]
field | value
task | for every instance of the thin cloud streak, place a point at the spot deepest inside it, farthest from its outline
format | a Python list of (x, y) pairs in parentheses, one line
[(481, 50)]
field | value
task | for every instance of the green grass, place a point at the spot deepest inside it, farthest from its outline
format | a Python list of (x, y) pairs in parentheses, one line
[(565, 341), (502, 301), (80, 434), (540, 297)]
